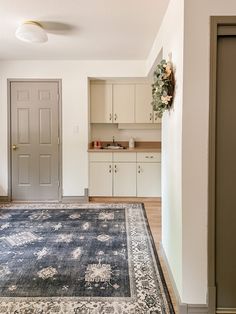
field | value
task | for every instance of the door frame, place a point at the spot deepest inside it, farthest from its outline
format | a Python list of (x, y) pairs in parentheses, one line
[(9, 143), (219, 25)]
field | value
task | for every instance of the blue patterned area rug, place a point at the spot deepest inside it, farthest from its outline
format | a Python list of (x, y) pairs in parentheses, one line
[(79, 259)]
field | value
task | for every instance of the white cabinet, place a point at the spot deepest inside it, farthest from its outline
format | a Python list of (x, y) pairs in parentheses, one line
[(125, 174), (112, 103), (112, 174), (124, 179), (148, 174), (123, 103), (149, 179), (143, 107), (101, 103), (100, 179)]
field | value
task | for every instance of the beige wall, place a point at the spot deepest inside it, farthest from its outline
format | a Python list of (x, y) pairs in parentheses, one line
[(185, 33), (170, 41), (195, 135), (74, 75)]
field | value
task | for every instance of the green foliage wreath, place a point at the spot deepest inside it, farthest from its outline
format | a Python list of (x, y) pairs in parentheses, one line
[(163, 87)]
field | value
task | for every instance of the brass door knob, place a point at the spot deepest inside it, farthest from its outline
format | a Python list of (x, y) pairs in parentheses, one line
[(14, 147)]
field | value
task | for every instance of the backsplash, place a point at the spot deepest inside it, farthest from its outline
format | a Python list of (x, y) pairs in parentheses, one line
[(105, 132)]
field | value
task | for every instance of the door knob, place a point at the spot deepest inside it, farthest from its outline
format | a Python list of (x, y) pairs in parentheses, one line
[(14, 147)]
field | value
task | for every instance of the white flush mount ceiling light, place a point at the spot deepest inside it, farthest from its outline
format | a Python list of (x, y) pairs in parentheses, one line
[(32, 32)]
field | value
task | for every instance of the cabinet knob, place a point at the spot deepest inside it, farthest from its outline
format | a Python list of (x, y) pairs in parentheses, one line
[(139, 169), (110, 117), (150, 117), (156, 116), (115, 117), (116, 169), (110, 168)]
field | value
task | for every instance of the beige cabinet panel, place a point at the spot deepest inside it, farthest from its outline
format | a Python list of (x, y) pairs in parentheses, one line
[(143, 107), (101, 156), (124, 157), (100, 179), (123, 103), (148, 157), (101, 103), (124, 179), (149, 179)]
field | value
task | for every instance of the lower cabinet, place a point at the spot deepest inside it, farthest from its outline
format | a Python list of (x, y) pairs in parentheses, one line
[(124, 179), (149, 179), (100, 178), (125, 174)]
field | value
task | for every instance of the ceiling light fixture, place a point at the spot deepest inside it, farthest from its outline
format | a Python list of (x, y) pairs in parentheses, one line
[(32, 32)]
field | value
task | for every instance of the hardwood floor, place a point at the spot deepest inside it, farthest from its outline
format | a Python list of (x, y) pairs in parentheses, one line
[(153, 210)]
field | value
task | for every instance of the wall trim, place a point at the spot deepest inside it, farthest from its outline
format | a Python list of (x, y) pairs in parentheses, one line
[(183, 308), (226, 310), (75, 199), (216, 24), (4, 199)]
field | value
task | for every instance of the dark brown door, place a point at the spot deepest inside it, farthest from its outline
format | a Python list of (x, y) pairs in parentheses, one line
[(34, 140), (226, 173)]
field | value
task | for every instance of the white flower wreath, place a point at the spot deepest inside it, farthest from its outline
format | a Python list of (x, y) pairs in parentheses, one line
[(163, 87)]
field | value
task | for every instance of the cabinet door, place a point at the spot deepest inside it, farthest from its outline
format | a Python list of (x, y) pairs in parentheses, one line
[(124, 179), (100, 179), (101, 103), (123, 103), (143, 107), (149, 179), (156, 119)]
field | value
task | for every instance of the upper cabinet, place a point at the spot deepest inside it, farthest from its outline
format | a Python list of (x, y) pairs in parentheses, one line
[(122, 103), (101, 103), (143, 107)]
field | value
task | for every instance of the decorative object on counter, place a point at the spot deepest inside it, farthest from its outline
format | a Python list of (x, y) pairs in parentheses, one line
[(131, 142), (163, 87), (97, 144)]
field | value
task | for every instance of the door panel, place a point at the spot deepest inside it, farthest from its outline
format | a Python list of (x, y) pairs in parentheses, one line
[(45, 126), (45, 169), (124, 179), (24, 169), (23, 125), (34, 132), (101, 103), (226, 173), (143, 107), (123, 103), (149, 179), (100, 179)]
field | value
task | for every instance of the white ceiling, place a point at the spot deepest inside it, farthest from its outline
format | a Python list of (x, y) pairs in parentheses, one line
[(82, 29)]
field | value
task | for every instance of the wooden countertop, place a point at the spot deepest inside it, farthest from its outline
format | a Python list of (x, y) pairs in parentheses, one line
[(139, 147)]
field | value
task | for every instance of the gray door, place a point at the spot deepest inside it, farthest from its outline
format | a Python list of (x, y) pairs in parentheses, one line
[(226, 173), (34, 140)]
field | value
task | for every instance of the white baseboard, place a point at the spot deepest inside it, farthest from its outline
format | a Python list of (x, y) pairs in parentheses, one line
[(226, 310), (75, 199), (183, 308)]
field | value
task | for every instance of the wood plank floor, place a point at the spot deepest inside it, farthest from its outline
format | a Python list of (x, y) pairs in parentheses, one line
[(153, 209)]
